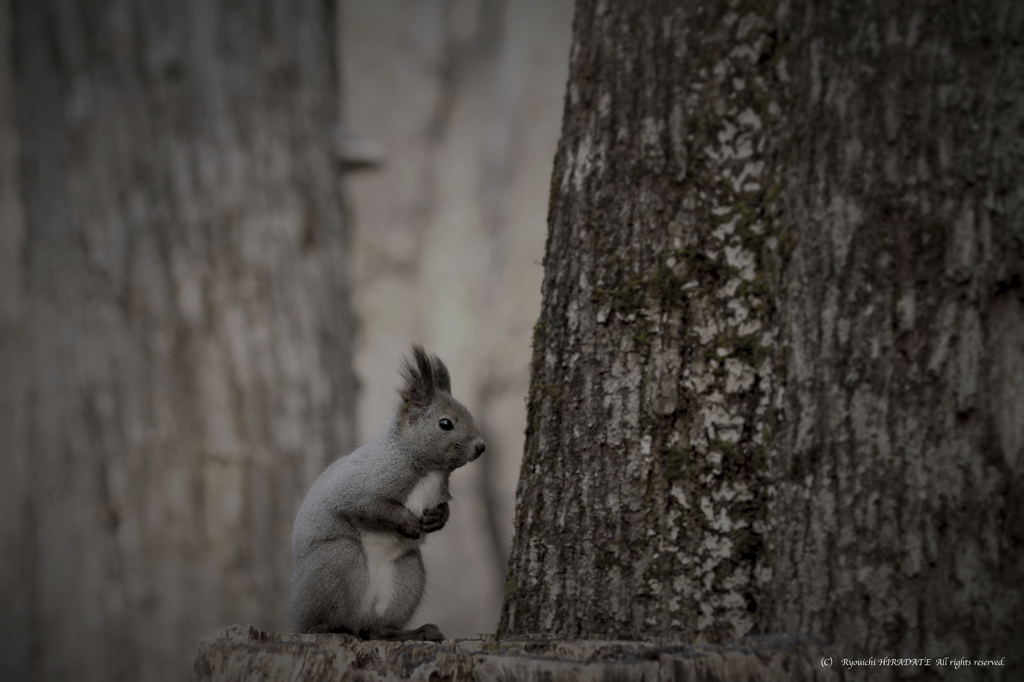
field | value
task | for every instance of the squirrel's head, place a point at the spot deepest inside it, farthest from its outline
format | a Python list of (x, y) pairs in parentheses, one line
[(434, 424)]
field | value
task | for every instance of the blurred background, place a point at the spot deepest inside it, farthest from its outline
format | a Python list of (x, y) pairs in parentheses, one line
[(221, 226), (465, 100)]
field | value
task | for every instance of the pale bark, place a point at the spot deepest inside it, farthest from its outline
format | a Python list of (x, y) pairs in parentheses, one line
[(186, 322), (779, 368)]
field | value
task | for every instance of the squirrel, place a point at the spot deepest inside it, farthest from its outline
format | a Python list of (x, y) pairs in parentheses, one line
[(356, 562)]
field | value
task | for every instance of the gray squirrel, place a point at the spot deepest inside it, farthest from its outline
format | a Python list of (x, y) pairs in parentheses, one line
[(356, 562)]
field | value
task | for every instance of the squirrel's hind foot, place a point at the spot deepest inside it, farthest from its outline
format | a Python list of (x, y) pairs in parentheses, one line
[(424, 633), (325, 629)]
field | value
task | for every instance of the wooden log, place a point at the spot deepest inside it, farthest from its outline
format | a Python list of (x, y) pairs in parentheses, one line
[(242, 652)]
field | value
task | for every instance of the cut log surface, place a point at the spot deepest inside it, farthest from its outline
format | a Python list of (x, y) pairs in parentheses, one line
[(242, 653)]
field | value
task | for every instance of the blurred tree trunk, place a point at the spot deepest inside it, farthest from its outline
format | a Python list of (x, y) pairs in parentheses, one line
[(15, 572), (186, 333), (778, 376)]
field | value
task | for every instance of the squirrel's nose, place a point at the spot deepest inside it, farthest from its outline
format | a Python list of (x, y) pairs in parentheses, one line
[(478, 448)]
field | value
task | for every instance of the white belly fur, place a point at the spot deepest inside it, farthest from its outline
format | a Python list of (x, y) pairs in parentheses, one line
[(384, 548), (426, 494)]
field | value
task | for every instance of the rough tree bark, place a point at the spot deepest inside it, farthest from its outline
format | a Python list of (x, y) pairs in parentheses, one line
[(898, 518), (778, 373), (184, 320), (642, 500)]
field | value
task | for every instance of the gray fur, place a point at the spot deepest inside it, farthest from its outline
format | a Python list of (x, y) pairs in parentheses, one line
[(356, 562)]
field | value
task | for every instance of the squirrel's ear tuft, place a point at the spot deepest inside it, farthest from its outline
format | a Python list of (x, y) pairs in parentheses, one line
[(442, 380), (424, 376), (418, 388)]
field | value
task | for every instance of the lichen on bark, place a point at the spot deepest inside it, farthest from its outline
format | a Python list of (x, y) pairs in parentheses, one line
[(653, 365)]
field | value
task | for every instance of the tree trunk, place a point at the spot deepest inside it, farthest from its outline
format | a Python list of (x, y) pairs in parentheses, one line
[(778, 376), (642, 501), (185, 315), (15, 572), (898, 516)]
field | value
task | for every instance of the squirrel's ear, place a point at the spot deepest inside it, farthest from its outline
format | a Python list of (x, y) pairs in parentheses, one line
[(418, 388)]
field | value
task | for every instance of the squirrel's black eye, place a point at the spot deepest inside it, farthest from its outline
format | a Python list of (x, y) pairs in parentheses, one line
[(446, 424)]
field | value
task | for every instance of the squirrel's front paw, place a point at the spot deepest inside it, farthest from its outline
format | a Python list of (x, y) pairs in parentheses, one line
[(410, 527), (435, 518)]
